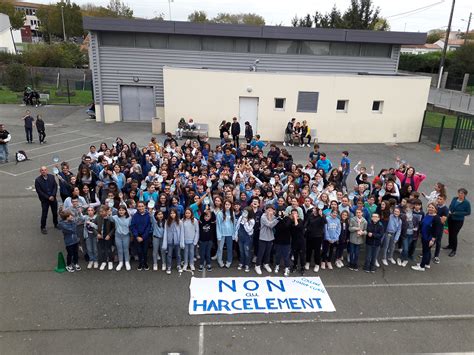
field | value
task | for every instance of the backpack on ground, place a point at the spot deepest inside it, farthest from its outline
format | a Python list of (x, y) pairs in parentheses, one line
[(20, 156)]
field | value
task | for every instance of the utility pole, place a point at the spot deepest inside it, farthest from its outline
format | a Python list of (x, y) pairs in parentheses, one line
[(62, 17), (467, 30), (446, 40)]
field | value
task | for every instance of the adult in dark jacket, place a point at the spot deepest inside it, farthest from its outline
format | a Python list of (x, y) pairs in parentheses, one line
[(458, 209), (248, 133), (297, 241), (47, 188), (235, 131), (314, 224), (40, 127), (375, 232)]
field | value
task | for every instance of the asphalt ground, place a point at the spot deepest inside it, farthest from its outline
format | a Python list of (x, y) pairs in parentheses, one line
[(395, 310)]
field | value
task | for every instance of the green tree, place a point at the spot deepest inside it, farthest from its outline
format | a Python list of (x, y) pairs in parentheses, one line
[(120, 9), (434, 35), (17, 18), (198, 16), (51, 20), (462, 60), (16, 77), (93, 10), (63, 55), (242, 18)]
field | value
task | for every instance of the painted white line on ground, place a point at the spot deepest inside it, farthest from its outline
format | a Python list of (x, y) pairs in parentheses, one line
[(53, 135), (6, 172), (59, 143), (418, 284), (345, 320), (48, 166), (201, 339)]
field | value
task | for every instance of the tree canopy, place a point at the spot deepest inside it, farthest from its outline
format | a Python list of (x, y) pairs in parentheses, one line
[(17, 18), (225, 17)]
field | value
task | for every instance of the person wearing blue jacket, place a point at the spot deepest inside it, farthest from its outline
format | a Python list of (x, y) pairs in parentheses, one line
[(158, 222), (324, 163), (332, 231), (458, 210), (225, 233), (173, 240), (140, 228), (68, 227), (392, 233), (375, 232)]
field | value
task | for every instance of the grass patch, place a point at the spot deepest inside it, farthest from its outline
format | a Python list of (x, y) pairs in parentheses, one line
[(434, 119), (80, 98)]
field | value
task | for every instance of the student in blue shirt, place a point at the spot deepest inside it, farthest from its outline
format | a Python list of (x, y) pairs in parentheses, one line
[(346, 168)]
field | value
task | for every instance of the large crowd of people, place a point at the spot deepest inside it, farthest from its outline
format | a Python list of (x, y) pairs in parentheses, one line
[(190, 204)]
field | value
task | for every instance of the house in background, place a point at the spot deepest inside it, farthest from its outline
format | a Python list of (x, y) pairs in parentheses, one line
[(30, 32), (453, 44), (339, 81), (420, 48), (6, 35)]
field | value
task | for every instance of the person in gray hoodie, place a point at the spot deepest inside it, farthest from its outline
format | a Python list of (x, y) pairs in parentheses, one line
[(173, 240), (332, 230), (191, 238), (267, 222), (358, 230)]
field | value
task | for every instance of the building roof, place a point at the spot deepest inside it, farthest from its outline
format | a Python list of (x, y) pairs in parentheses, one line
[(247, 31), (425, 46)]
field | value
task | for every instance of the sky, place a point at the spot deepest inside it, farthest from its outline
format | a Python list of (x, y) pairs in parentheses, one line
[(282, 11)]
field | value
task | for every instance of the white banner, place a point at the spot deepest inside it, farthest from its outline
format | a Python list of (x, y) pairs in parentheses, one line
[(229, 295)]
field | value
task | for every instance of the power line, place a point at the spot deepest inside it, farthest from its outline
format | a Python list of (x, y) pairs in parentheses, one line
[(420, 9)]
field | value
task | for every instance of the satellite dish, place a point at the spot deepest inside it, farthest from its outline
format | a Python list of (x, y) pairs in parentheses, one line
[(55, 159), (160, 179), (143, 186), (153, 169), (110, 203), (151, 204), (55, 171), (209, 183), (351, 196), (320, 205), (272, 181), (382, 192), (207, 200)]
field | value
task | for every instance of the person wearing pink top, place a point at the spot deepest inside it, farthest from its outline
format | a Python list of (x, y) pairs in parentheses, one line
[(410, 177)]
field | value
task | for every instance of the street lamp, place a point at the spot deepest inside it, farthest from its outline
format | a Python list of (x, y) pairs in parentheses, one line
[(467, 30), (169, 7), (62, 18)]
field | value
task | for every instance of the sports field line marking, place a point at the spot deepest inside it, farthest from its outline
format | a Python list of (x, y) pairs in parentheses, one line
[(345, 320), (59, 143), (6, 172), (201, 339), (53, 135), (71, 147), (466, 283)]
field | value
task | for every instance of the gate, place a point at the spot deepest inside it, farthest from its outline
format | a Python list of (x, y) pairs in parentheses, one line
[(463, 133)]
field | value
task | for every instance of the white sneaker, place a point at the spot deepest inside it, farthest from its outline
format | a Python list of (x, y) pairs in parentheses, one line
[(128, 267), (163, 267), (214, 257), (301, 145), (377, 263), (277, 268), (348, 258), (267, 267), (399, 262), (308, 145), (111, 265), (418, 268), (384, 261), (427, 266), (329, 266), (287, 272), (70, 268), (404, 263), (306, 266), (96, 264), (227, 265), (239, 267), (258, 270), (316, 268), (339, 264), (323, 265), (192, 267), (102, 266), (155, 267), (90, 264), (185, 267), (284, 144), (392, 260), (119, 266)]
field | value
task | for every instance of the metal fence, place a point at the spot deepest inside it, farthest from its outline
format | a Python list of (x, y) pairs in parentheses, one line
[(439, 131), (452, 100)]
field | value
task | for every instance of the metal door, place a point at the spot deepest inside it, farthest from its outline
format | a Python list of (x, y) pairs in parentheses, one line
[(248, 112), (137, 103)]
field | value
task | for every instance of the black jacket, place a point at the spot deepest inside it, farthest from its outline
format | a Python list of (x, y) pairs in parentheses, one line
[(248, 132), (377, 231), (40, 125), (282, 231), (45, 188), (315, 226), (235, 128)]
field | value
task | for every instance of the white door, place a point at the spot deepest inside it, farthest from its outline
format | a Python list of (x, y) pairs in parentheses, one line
[(248, 112)]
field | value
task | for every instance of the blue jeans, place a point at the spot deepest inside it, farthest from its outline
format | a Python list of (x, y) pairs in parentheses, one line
[(354, 250), (220, 248), (173, 248), (370, 257), (4, 152), (406, 246), (282, 251), (189, 254), (91, 246), (122, 242), (157, 243), (245, 243), (388, 246), (205, 252)]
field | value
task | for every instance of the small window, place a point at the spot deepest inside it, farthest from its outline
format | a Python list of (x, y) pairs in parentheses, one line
[(307, 101), (342, 105), (377, 106), (280, 104)]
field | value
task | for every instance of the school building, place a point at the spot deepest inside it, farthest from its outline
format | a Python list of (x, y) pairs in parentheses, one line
[(344, 83)]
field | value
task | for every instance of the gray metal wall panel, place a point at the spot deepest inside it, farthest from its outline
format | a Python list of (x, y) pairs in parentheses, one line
[(120, 64), (94, 61)]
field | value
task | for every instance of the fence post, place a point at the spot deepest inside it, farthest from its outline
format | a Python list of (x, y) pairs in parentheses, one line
[(464, 82), (422, 125), (68, 95), (455, 135), (441, 129)]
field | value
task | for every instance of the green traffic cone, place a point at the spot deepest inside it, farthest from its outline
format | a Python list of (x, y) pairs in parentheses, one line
[(61, 263)]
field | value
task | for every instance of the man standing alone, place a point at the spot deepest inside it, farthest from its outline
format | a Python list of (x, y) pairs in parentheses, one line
[(47, 188), (5, 137), (235, 131), (29, 122)]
